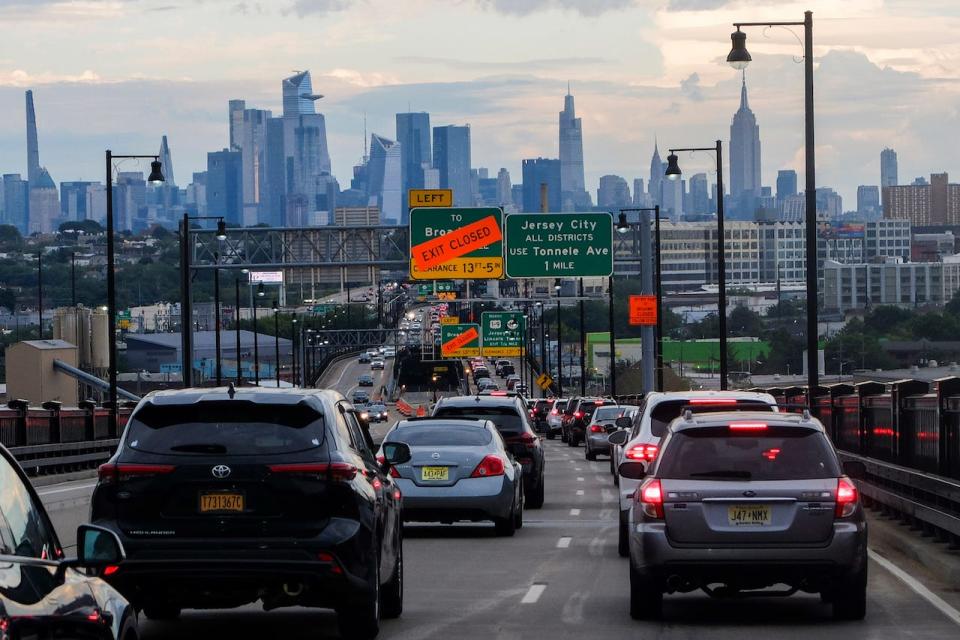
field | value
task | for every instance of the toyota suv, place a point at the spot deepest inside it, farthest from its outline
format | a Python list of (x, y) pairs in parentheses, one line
[(738, 502), (222, 497)]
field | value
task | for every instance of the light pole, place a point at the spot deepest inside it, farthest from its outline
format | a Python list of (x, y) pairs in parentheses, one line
[(739, 58), (543, 348), (186, 301), (73, 279), (613, 341), (276, 341), (673, 173), (256, 336), (155, 177), (40, 290), (237, 320), (216, 316), (556, 287), (293, 344), (583, 347)]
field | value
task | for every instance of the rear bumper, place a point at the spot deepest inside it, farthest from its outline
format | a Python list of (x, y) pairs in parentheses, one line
[(469, 499), (598, 443), (652, 553)]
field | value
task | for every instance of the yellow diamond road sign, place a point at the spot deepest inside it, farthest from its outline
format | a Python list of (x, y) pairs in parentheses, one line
[(544, 381)]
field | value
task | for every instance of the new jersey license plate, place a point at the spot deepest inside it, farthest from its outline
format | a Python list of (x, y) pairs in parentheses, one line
[(221, 503), (435, 473), (756, 515)]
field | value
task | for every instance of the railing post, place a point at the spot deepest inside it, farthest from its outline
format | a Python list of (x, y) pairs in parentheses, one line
[(20, 433)]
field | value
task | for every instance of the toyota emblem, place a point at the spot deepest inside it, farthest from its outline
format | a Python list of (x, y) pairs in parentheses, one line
[(749, 494), (435, 455), (220, 471)]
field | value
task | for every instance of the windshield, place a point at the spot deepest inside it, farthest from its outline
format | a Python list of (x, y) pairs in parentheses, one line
[(233, 427), (441, 435), (666, 412), (608, 413), (505, 418), (714, 453)]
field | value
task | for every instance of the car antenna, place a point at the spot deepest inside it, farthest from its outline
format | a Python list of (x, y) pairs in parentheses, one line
[(231, 391)]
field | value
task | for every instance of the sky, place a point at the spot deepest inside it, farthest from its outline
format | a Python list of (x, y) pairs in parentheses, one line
[(119, 74)]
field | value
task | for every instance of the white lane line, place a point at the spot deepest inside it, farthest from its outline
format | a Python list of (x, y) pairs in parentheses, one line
[(578, 468), (574, 512), (563, 543), (579, 492), (533, 594), (579, 478), (65, 489), (916, 586)]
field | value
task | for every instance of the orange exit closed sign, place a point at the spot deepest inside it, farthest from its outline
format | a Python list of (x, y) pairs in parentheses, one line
[(643, 311)]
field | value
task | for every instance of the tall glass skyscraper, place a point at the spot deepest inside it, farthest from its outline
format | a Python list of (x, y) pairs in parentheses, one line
[(573, 193), (888, 172), (413, 134), (536, 172), (384, 171), (451, 157), (744, 158)]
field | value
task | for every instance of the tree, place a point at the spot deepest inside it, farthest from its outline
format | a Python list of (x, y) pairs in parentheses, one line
[(91, 227), (744, 322), (10, 237)]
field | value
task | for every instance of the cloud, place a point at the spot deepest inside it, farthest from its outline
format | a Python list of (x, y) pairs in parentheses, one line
[(20, 78), (318, 7), (491, 65), (695, 5), (691, 87), (526, 7)]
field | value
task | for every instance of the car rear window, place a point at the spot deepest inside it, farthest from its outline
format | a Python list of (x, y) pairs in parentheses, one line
[(505, 418), (787, 453), (666, 412), (441, 435), (231, 427), (542, 404), (608, 413)]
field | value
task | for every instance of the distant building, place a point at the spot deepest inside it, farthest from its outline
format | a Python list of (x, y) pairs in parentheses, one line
[(413, 134), (933, 204), (786, 185), (129, 198), (613, 193), (868, 202), (671, 198), (536, 172), (504, 188), (44, 204), (16, 202), (829, 203), (574, 196), (248, 133), (888, 171), (656, 176), (890, 282), (224, 185), (516, 196), (699, 195), (73, 200), (887, 238), (385, 179), (451, 157), (744, 159), (931, 247)]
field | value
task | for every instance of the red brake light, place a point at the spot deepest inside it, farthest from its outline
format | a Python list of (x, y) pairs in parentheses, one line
[(651, 497), (598, 403), (596, 428), (712, 401), (748, 426), (846, 498), (553, 412), (646, 452), (110, 570), (578, 415), (337, 471), (490, 466), (498, 393), (119, 472), (393, 470)]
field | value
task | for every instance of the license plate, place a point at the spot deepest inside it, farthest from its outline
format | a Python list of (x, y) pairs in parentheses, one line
[(221, 503), (435, 473), (740, 515)]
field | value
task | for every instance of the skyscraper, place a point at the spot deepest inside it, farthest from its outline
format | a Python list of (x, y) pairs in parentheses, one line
[(744, 158), (249, 137), (306, 157), (888, 171), (298, 95), (16, 202), (384, 171), (573, 192), (699, 194), (536, 172), (33, 147), (868, 202), (413, 134), (166, 163), (44, 204), (451, 157), (656, 175), (73, 200), (503, 188), (235, 109), (224, 190), (786, 184), (613, 192)]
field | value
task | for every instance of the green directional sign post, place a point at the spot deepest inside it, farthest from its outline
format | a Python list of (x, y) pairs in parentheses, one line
[(501, 334), (425, 289), (559, 245), (441, 241), (460, 340)]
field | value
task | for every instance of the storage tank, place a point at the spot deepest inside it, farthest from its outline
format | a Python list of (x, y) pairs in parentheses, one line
[(99, 336)]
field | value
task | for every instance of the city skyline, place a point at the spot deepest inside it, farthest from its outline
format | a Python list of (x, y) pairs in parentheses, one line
[(646, 89)]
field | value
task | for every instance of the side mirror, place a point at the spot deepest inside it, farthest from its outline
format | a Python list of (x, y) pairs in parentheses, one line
[(395, 453), (98, 547), (624, 422), (855, 469), (633, 470), (618, 438)]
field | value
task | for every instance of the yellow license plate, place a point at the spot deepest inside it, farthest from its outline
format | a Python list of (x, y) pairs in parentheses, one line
[(435, 473), (221, 502), (749, 515)]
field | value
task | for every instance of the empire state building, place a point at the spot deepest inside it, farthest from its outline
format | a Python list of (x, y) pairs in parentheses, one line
[(744, 159)]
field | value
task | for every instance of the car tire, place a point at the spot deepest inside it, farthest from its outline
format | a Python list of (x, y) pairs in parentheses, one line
[(128, 630), (535, 501), (362, 621), (506, 527), (550, 434), (518, 516), (571, 441), (391, 594), (161, 611), (623, 536), (563, 436), (589, 454), (646, 598), (849, 597), (613, 469)]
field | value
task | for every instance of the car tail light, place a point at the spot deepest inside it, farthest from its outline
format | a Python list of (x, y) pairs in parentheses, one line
[(578, 415), (595, 428), (713, 401), (748, 426), (498, 393), (490, 466), (554, 412), (119, 471), (846, 498), (110, 570), (331, 560), (336, 471), (393, 470), (646, 452), (651, 498)]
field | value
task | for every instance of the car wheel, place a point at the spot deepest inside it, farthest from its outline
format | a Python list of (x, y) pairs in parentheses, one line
[(362, 621), (391, 604), (589, 454), (849, 597), (550, 434), (128, 630), (571, 441), (506, 526), (623, 536), (613, 470), (535, 501), (161, 611), (563, 436), (646, 598), (518, 516)]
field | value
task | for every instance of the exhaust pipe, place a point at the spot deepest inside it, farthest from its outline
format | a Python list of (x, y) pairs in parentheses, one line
[(292, 590)]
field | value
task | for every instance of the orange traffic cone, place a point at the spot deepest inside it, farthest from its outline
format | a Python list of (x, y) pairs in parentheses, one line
[(421, 412)]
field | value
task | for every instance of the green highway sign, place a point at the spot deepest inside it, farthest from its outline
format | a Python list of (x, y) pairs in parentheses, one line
[(559, 245), (444, 287), (501, 334), (456, 244), (425, 289), (460, 340)]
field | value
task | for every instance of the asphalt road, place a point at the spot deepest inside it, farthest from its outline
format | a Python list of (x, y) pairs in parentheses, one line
[(559, 577)]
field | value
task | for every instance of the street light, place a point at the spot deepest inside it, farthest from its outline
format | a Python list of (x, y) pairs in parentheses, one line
[(739, 58), (556, 287), (673, 173), (276, 341), (293, 335), (186, 302), (156, 177), (237, 320), (256, 336)]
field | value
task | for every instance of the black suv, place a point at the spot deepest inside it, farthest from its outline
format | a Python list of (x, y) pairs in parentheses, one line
[(577, 416), (509, 414), (222, 497), (41, 594)]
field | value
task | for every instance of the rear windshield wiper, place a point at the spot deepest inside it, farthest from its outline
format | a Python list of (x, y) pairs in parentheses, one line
[(722, 474), (199, 447)]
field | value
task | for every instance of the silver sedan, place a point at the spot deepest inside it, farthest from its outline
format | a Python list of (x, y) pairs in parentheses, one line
[(459, 470)]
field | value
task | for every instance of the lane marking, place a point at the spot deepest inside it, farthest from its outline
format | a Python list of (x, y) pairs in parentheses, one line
[(574, 512), (579, 478), (563, 543), (65, 489), (579, 492), (533, 594), (578, 468), (916, 586)]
